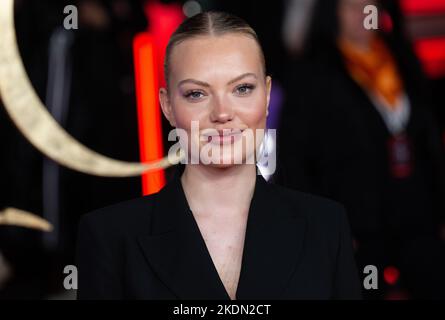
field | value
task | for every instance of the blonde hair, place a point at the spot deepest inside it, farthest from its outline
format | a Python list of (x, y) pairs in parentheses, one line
[(211, 23)]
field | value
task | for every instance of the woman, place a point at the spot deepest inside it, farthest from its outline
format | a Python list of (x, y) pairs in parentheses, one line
[(218, 231), (359, 130)]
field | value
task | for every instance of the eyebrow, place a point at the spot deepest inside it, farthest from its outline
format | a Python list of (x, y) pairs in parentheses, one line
[(205, 84)]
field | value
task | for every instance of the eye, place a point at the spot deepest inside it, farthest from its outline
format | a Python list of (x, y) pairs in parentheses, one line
[(244, 89), (194, 95)]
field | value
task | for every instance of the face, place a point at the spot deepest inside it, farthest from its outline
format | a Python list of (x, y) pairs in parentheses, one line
[(218, 81), (351, 17)]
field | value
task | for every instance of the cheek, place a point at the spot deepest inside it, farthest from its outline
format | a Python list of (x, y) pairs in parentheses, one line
[(189, 118), (185, 114), (253, 112)]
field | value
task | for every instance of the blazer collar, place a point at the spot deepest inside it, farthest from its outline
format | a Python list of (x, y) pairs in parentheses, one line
[(176, 250)]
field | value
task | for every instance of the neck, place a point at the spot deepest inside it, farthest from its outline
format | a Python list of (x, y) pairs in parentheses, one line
[(211, 190)]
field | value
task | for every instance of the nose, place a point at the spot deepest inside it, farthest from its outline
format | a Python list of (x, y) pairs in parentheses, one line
[(222, 111)]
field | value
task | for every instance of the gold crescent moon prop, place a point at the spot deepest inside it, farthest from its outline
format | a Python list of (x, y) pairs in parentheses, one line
[(36, 123), (21, 218)]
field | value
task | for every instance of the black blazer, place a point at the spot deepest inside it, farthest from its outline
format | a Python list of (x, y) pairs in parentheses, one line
[(297, 246)]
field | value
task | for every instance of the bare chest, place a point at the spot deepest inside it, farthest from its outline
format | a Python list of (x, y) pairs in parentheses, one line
[(225, 244)]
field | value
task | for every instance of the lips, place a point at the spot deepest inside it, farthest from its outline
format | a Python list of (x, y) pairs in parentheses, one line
[(222, 136)]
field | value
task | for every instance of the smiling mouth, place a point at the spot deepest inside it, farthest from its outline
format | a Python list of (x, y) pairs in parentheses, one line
[(225, 136)]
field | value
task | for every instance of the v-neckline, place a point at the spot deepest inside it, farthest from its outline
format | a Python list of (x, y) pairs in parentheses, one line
[(206, 249), (274, 238)]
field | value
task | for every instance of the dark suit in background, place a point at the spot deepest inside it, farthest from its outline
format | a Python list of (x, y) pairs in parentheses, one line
[(333, 142)]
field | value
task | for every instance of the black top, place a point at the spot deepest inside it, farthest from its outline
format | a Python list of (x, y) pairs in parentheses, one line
[(297, 246)]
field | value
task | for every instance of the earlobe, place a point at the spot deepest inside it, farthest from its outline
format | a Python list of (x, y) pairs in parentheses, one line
[(268, 90)]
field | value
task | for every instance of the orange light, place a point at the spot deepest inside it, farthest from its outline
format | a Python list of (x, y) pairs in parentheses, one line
[(149, 117), (149, 49)]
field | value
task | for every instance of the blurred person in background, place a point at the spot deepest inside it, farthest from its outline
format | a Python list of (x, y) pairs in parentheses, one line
[(357, 127), (101, 112)]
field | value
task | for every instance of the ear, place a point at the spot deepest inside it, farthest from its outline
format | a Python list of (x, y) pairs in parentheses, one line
[(166, 106), (268, 90)]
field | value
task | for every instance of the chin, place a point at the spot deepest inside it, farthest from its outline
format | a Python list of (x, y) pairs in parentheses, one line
[(228, 162), (225, 163), (221, 166)]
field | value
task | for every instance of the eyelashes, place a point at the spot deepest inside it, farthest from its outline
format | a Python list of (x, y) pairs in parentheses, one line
[(244, 89), (193, 94)]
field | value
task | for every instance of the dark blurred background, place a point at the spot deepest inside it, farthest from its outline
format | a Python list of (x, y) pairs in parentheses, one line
[(359, 116)]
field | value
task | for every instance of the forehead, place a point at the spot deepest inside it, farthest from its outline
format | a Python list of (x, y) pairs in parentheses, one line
[(203, 56)]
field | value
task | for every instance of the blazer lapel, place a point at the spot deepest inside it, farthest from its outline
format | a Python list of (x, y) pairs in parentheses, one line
[(176, 250), (274, 241)]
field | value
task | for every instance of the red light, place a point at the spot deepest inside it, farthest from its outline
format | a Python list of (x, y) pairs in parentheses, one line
[(163, 21), (421, 7), (432, 53), (387, 24), (149, 116), (391, 275), (149, 50)]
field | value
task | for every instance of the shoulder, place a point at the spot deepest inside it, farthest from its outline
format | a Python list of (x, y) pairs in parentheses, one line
[(325, 220), (123, 217), (315, 203), (321, 213)]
